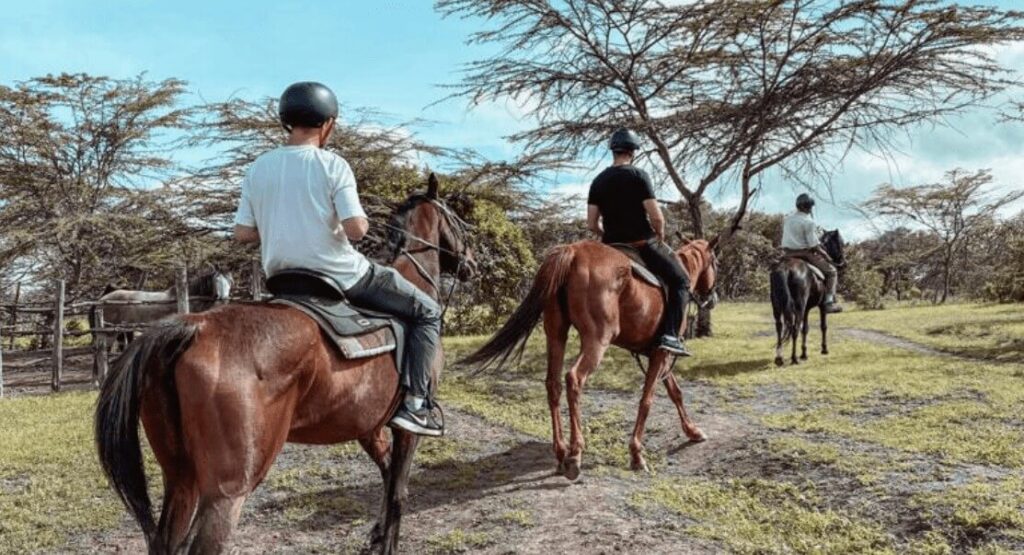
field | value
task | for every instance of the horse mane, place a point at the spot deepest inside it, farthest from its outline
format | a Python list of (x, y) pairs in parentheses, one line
[(396, 236)]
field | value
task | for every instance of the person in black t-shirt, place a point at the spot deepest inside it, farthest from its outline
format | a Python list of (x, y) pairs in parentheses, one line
[(621, 208)]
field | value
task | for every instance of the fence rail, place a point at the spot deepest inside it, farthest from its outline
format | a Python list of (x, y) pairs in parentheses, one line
[(101, 331)]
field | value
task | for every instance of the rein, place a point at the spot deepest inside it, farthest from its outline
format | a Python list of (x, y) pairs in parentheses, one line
[(459, 227)]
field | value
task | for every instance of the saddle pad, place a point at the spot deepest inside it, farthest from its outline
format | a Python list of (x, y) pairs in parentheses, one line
[(357, 333), (637, 263)]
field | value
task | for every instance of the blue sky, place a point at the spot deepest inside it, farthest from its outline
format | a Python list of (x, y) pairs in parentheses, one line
[(391, 55)]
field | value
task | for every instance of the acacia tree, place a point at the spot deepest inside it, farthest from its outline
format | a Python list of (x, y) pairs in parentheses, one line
[(732, 88), (952, 210), (77, 155)]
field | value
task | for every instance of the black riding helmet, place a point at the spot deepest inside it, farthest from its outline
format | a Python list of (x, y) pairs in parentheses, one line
[(307, 104), (804, 202), (624, 140)]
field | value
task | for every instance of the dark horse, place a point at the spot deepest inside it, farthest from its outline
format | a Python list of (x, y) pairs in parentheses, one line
[(796, 289), (220, 392)]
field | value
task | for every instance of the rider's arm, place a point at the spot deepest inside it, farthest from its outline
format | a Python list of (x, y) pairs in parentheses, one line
[(246, 234), (594, 219), (655, 216), (355, 228), (346, 201), (245, 218)]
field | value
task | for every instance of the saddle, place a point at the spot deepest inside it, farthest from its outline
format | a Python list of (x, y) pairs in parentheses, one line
[(637, 264), (813, 269), (356, 332)]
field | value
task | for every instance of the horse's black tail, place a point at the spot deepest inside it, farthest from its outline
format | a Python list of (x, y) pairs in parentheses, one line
[(782, 302), (117, 412), (511, 338)]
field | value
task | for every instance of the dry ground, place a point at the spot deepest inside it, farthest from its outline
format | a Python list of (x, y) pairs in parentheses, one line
[(876, 448)]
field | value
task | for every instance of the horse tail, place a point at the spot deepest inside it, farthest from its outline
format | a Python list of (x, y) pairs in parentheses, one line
[(117, 412), (511, 338), (782, 301)]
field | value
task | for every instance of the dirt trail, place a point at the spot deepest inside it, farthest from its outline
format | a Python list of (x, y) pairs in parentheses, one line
[(873, 336)]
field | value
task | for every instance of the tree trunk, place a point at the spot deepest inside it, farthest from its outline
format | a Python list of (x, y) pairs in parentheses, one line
[(696, 218)]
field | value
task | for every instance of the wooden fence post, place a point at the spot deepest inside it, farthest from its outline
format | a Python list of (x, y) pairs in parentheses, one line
[(99, 342), (14, 314), (58, 337), (256, 280), (181, 290), (2, 365)]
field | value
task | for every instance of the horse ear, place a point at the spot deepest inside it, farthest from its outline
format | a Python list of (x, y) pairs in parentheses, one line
[(432, 186), (713, 243)]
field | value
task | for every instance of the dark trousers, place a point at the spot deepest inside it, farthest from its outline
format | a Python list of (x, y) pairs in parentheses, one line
[(385, 290), (660, 259)]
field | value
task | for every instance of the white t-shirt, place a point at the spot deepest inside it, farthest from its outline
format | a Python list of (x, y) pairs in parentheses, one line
[(799, 232), (297, 197)]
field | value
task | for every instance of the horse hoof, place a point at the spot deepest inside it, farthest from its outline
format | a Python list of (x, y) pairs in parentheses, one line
[(698, 437), (824, 351), (639, 466), (779, 361), (803, 356), (795, 362), (572, 469)]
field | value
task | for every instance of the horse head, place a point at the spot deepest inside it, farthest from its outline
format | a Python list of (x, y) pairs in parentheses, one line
[(834, 246), (427, 221), (701, 263)]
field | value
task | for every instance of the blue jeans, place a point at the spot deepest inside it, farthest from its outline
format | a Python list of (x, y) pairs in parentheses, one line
[(383, 289)]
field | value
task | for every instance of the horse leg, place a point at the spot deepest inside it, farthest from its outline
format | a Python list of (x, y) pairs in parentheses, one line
[(591, 352), (396, 491), (824, 331), (215, 522), (803, 337), (181, 496), (693, 433), (556, 329), (657, 365), (378, 447), (796, 334), (778, 340)]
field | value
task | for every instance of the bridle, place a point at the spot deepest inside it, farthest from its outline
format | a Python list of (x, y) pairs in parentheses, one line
[(704, 300), (459, 228)]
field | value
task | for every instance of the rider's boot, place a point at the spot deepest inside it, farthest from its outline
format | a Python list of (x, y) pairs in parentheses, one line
[(674, 345), (831, 306), (416, 415)]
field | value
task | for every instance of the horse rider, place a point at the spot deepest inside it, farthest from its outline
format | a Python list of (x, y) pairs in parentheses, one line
[(801, 239), (621, 208), (300, 203)]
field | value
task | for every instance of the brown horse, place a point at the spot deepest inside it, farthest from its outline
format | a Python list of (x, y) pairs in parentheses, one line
[(219, 393), (591, 287)]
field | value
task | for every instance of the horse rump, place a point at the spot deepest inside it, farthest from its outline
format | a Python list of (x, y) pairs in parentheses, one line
[(511, 338), (118, 407)]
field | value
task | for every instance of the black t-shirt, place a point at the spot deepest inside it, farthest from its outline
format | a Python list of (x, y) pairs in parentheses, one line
[(619, 193)]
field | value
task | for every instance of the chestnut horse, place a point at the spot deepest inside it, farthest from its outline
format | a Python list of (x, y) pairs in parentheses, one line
[(220, 392), (590, 286)]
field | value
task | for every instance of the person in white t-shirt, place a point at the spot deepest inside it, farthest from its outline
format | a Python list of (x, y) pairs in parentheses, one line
[(801, 238), (300, 203)]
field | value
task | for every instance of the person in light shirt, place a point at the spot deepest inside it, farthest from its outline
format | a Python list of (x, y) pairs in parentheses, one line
[(801, 238), (300, 203)]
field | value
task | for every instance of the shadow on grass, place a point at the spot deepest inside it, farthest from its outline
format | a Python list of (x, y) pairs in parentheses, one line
[(447, 483), (727, 369)]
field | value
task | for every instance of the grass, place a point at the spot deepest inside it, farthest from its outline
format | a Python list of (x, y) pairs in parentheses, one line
[(988, 331), (939, 439), (759, 516), (50, 483)]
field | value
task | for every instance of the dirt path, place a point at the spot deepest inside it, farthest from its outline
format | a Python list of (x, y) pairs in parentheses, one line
[(873, 336)]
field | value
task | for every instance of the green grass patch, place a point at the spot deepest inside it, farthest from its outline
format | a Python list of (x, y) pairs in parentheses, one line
[(991, 331), (758, 516), (457, 541), (51, 486), (979, 507)]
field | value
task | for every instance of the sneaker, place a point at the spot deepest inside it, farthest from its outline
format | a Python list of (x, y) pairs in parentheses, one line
[(673, 345), (420, 422)]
